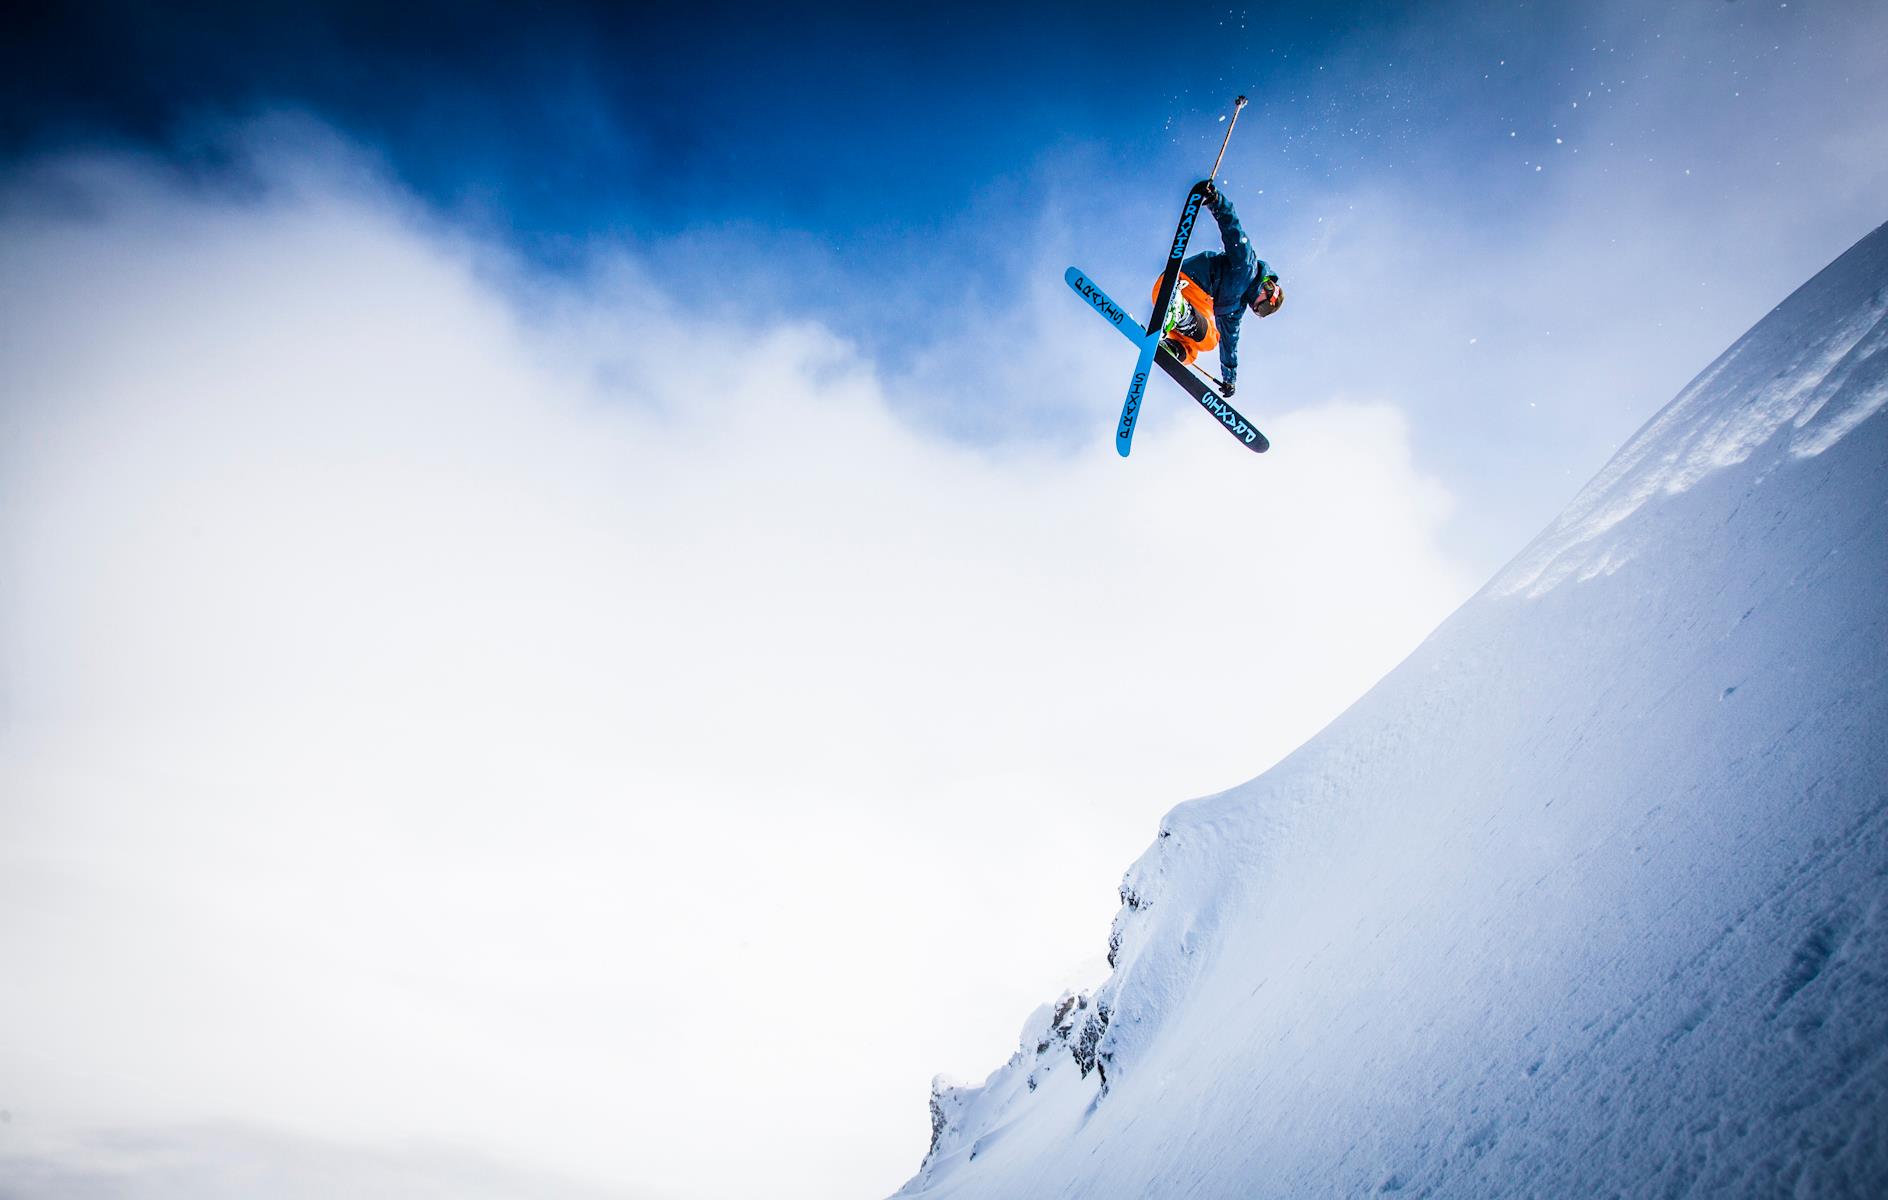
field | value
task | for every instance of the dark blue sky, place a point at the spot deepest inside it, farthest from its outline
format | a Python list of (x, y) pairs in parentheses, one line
[(841, 120), (857, 124), (873, 121), (574, 119), (871, 129)]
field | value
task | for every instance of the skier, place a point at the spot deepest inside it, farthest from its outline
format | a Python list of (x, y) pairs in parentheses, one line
[(1216, 289)]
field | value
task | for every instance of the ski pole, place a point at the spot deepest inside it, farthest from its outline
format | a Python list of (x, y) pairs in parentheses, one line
[(1212, 379), (1236, 106)]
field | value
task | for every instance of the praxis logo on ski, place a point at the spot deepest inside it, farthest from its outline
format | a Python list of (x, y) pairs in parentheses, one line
[(1133, 408), (1231, 419), (1186, 227), (1095, 296)]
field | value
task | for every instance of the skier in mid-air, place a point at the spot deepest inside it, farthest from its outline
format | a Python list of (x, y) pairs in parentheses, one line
[(1216, 290)]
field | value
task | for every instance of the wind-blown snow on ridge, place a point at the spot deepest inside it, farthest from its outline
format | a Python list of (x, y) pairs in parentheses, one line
[(1589, 895), (1811, 365)]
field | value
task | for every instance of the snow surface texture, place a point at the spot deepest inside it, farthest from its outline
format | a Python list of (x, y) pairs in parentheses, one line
[(1588, 897)]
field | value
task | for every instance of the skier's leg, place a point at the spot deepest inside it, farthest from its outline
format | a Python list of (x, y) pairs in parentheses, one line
[(1194, 330), (1204, 330), (1181, 309)]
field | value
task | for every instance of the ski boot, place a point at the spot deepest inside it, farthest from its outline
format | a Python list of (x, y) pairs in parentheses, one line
[(1183, 319)]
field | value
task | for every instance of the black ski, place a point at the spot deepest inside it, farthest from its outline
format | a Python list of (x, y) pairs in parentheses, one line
[(1169, 280)]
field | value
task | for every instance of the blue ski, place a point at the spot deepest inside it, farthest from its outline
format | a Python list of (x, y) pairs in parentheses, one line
[(1163, 296), (1110, 312), (1131, 407), (1131, 329)]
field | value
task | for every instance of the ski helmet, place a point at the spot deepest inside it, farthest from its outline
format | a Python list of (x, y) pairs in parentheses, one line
[(1270, 297)]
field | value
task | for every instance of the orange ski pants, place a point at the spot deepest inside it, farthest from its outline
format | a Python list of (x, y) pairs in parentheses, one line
[(1202, 303)]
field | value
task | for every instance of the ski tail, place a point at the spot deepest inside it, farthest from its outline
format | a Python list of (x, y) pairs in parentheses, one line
[(1137, 391), (1208, 398), (1099, 300)]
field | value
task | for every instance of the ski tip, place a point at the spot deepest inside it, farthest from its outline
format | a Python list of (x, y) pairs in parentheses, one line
[(1122, 447)]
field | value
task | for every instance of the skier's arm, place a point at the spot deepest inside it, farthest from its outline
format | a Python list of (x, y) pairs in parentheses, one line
[(1231, 232), (1229, 353), (1239, 254)]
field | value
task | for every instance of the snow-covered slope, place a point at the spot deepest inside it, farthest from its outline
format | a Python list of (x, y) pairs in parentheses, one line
[(1589, 896)]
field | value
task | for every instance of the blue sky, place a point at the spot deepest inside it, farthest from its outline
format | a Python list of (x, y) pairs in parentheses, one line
[(904, 173), (871, 128), (582, 119), (843, 122), (572, 120), (629, 488)]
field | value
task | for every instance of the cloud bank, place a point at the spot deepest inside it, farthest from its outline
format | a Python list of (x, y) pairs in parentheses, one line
[(450, 705)]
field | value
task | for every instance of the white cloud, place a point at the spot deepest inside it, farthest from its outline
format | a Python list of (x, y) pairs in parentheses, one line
[(443, 703)]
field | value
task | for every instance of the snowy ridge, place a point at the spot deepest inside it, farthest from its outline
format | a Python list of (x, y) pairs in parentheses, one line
[(1809, 365), (1590, 895)]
